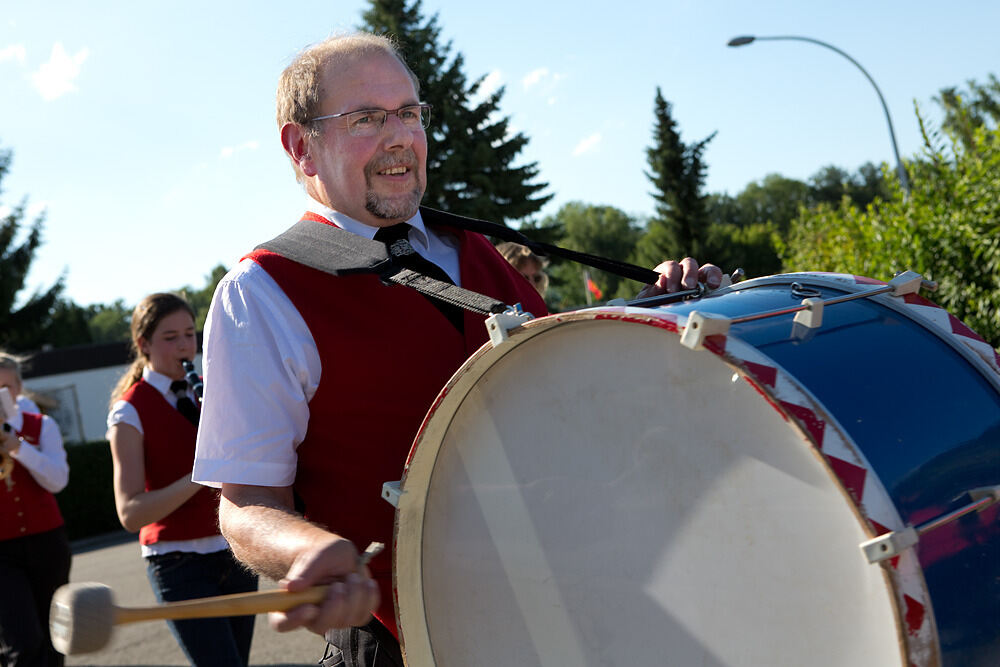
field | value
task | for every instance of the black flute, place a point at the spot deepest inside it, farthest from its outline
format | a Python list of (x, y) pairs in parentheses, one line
[(191, 375)]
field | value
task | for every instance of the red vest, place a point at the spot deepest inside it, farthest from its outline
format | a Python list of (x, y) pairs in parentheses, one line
[(25, 507), (168, 446), (386, 352)]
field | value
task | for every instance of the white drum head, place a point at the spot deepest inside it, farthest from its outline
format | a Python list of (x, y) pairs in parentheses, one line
[(592, 493)]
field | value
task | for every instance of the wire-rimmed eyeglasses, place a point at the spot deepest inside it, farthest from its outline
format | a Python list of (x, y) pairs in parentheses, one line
[(369, 122)]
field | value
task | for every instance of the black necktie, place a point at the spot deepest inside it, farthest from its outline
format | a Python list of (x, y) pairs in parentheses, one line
[(184, 404), (397, 244)]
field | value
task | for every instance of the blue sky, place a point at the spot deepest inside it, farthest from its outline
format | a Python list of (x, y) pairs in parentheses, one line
[(145, 130)]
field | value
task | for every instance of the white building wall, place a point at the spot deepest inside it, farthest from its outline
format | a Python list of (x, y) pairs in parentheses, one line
[(83, 399)]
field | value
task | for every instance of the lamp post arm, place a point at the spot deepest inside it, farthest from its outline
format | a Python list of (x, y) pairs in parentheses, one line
[(900, 169)]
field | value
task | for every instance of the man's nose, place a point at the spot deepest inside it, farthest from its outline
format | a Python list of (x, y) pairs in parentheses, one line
[(396, 135)]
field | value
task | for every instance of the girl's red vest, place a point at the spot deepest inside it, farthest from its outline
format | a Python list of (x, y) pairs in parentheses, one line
[(168, 445), (386, 352), (25, 507)]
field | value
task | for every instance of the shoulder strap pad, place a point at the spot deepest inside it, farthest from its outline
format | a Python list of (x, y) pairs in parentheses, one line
[(330, 249)]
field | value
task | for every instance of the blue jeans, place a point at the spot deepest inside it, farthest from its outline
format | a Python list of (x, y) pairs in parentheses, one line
[(207, 642)]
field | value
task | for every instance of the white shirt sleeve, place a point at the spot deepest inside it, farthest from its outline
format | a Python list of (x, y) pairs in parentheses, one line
[(46, 462), (25, 404), (123, 412), (261, 369)]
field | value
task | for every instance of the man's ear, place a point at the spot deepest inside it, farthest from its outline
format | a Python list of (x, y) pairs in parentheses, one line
[(295, 141)]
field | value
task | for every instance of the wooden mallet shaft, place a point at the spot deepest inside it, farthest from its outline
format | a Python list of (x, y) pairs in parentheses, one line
[(237, 604), (83, 615)]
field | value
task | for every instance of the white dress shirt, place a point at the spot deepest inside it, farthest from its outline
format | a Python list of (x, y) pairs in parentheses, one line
[(262, 367), (46, 463)]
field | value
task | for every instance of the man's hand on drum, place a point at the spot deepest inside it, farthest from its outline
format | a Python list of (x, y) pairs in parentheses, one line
[(350, 599), (682, 275)]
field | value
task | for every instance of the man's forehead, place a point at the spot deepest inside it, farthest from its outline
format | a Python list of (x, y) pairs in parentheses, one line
[(354, 72)]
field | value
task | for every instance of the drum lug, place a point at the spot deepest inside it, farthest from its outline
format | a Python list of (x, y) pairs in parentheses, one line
[(500, 324), (702, 325), (909, 282), (894, 543), (812, 316), (391, 493), (889, 545)]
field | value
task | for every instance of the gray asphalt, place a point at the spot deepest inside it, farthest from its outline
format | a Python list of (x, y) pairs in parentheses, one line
[(114, 560)]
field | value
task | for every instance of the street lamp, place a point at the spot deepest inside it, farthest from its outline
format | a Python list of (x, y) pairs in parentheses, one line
[(904, 181)]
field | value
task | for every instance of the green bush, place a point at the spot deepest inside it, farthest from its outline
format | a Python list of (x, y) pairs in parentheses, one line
[(88, 501), (947, 229)]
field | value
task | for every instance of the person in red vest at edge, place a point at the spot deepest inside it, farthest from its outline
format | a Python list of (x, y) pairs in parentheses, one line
[(151, 428), (298, 412), (34, 547)]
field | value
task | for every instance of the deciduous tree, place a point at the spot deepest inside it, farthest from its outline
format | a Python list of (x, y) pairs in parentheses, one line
[(948, 229), (598, 230)]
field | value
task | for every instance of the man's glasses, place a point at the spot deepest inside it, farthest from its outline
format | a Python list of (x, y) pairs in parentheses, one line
[(369, 122)]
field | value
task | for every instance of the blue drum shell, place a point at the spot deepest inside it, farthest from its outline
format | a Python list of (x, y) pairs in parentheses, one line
[(925, 415)]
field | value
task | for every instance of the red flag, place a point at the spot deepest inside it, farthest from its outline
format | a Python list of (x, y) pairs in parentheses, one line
[(594, 289)]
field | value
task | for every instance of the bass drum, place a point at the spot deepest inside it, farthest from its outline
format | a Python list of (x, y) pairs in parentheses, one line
[(591, 491)]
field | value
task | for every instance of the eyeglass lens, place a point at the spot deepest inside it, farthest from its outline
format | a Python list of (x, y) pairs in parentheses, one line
[(369, 122)]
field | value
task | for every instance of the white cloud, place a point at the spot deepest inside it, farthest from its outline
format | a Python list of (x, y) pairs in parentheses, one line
[(13, 52), (535, 77), (229, 151), (56, 77), (491, 82), (543, 80), (588, 144)]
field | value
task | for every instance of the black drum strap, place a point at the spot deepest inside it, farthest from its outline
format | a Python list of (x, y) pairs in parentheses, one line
[(623, 269), (338, 252)]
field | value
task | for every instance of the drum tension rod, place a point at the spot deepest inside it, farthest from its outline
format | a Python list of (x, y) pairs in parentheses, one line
[(809, 313), (894, 543)]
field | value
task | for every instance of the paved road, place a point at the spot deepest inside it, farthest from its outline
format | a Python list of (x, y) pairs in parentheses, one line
[(114, 560)]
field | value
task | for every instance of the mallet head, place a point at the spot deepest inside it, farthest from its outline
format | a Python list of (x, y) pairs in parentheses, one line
[(81, 618)]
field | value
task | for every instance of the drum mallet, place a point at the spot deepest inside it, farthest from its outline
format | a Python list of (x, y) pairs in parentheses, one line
[(82, 616)]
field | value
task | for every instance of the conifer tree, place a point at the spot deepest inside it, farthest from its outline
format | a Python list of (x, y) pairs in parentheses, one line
[(23, 327), (470, 154), (679, 226)]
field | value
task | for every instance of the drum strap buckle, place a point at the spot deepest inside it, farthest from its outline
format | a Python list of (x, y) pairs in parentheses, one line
[(896, 542)]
